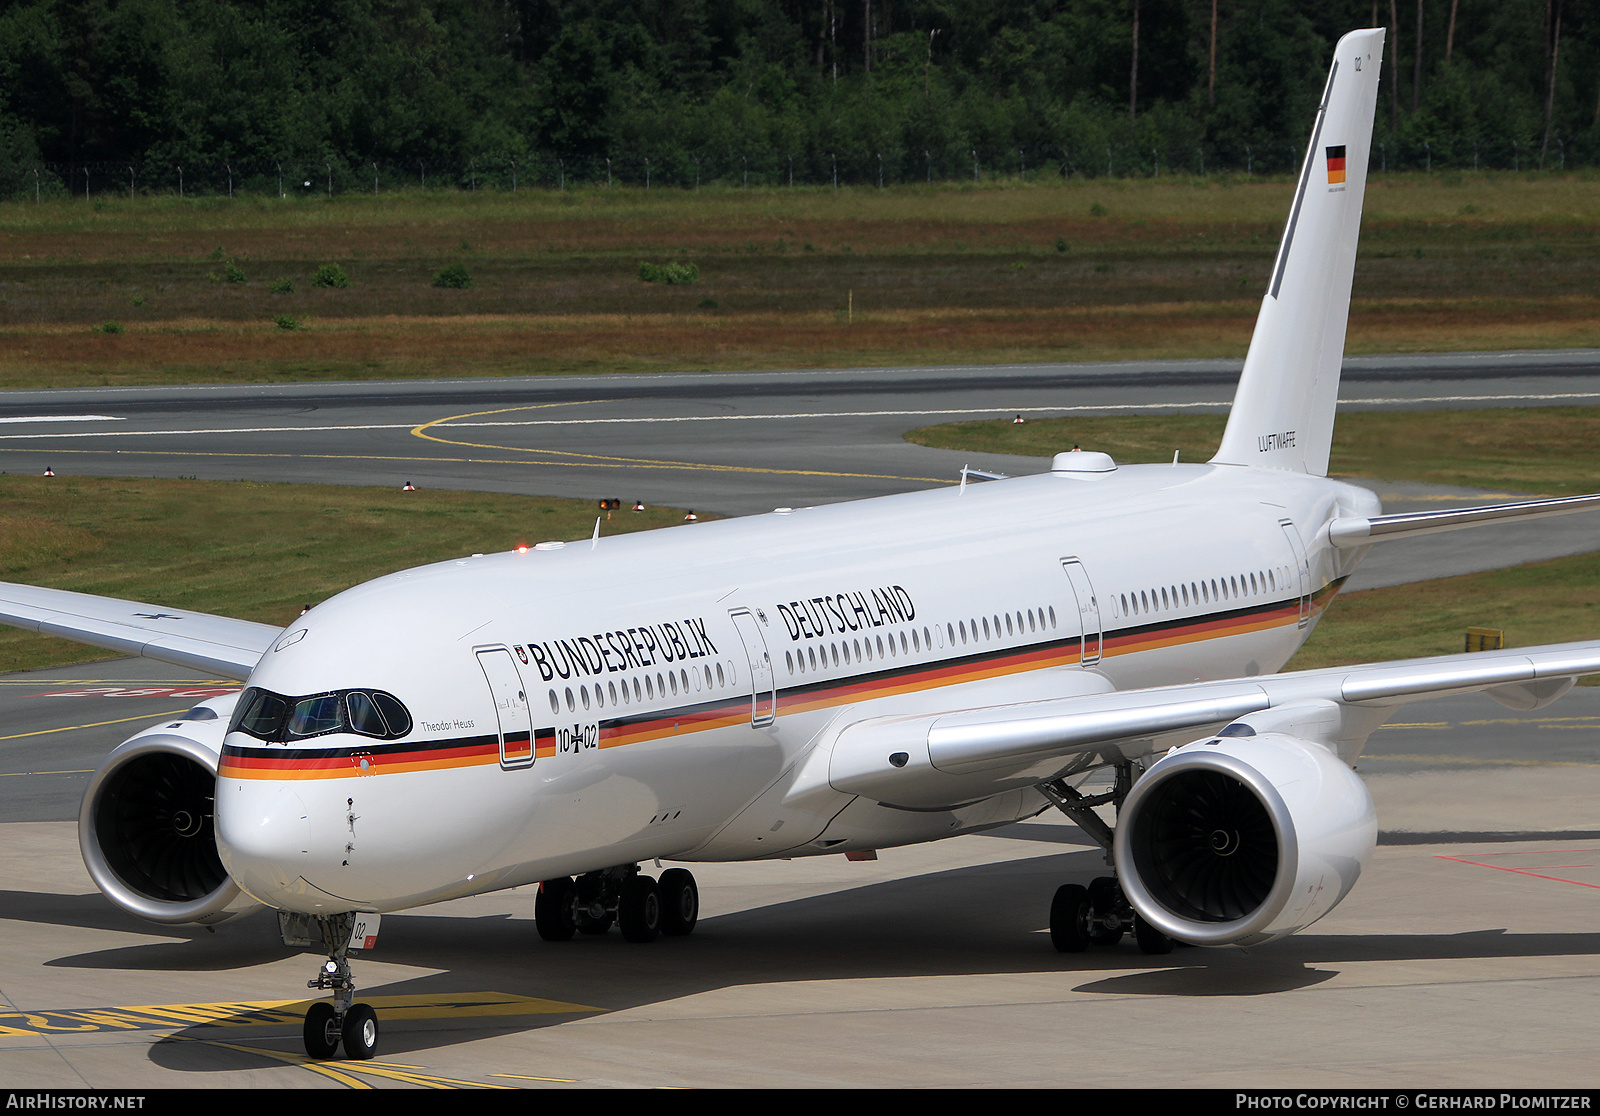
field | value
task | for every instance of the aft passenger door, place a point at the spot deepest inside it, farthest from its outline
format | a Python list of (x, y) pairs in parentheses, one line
[(763, 692), (1087, 607), (1302, 568), (510, 706)]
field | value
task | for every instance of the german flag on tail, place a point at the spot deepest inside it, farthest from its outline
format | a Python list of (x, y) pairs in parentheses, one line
[(1335, 165)]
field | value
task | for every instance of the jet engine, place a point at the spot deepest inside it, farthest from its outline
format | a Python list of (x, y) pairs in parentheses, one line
[(1240, 839), (147, 824)]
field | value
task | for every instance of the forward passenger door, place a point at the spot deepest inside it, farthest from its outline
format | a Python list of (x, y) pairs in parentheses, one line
[(510, 706)]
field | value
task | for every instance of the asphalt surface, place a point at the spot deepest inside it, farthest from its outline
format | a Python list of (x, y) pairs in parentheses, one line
[(1463, 958), (738, 443), (1466, 957)]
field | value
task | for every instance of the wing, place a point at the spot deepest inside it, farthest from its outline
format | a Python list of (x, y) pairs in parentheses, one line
[(216, 644), (939, 759)]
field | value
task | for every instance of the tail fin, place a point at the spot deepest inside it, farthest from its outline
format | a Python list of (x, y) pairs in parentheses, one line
[(1282, 414)]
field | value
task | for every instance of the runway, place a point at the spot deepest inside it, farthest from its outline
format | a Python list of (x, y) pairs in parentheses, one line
[(735, 443), (1463, 958)]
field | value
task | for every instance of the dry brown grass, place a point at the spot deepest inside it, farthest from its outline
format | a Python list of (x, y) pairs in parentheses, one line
[(393, 345), (937, 275)]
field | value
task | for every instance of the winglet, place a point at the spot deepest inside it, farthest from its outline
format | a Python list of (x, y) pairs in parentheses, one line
[(1282, 414)]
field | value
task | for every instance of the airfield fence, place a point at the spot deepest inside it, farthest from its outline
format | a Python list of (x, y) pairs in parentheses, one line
[(756, 168)]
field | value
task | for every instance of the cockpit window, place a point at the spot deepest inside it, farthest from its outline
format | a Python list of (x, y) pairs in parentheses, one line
[(364, 716), (393, 712), (260, 713), (275, 718), (314, 716)]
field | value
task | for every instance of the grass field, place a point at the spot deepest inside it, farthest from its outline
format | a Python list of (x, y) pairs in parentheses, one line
[(1090, 269), (252, 551), (1542, 602)]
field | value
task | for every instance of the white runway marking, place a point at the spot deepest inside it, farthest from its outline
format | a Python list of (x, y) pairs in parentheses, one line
[(64, 418), (998, 411)]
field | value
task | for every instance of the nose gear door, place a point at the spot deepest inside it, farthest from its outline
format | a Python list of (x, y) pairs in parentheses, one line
[(510, 706)]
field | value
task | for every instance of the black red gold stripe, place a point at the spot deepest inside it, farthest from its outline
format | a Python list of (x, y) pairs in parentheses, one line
[(280, 762)]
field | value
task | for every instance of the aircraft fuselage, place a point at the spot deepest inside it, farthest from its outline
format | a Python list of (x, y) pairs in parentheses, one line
[(654, 695)]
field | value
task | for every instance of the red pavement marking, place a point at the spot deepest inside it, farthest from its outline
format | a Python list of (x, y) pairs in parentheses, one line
[(195, 692), (1537, 871)]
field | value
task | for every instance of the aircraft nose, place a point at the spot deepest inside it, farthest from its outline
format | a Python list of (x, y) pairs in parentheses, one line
[(264, 837)]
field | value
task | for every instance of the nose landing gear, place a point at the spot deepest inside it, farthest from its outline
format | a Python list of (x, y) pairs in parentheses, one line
[(328, 1024)]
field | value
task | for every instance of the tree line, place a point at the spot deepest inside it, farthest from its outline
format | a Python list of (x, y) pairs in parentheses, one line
[(681, 89)]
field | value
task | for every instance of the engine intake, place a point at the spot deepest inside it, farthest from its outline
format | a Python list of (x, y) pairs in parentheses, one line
[(146, 832), (1239, 840)]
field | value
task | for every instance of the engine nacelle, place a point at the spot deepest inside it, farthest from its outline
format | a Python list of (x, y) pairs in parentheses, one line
[(1237, 840), (147, 824)]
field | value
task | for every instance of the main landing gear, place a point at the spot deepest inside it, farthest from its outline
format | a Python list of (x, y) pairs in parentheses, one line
[(1099, 914), (640, 906), (328, 1024)]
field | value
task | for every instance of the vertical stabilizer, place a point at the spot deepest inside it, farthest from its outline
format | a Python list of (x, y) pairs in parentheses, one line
[(1282, 415)]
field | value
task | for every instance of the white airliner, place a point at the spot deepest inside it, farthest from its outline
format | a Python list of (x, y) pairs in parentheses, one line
[(824, 680)]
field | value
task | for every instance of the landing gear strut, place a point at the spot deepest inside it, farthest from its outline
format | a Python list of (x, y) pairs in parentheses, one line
[(341, 1021), (640, 906), (1098, 914)]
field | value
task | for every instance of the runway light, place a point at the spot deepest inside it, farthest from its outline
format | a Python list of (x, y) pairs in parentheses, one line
[(523, 549)]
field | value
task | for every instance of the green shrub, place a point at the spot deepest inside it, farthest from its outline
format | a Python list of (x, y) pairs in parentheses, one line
[(455, 277), (233, 272), (671, 273), (282, 286), (708, 304), (283, 321), (111, 327), (330, 275), (138, 300), (1098, 210), (1061, 244)]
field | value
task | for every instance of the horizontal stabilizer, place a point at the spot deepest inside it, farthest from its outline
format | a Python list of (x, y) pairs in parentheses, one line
[(1356, 531), (196, 640)]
